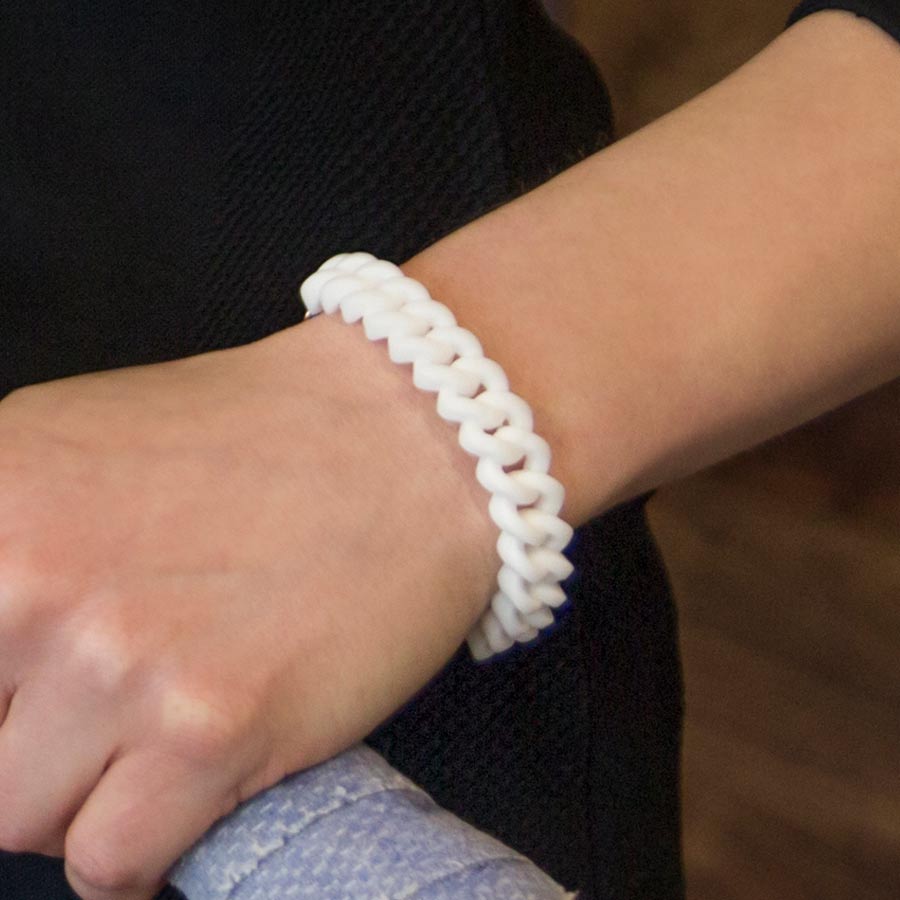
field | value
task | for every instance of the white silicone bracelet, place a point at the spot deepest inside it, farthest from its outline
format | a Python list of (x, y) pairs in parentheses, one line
[(495, 425)]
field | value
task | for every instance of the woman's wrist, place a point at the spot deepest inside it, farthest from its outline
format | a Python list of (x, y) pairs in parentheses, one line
[(495, 425), (390, 417), (716, 278), (477, 272)]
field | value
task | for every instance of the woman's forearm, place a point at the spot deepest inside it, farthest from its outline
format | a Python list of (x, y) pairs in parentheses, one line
[(719, 277)]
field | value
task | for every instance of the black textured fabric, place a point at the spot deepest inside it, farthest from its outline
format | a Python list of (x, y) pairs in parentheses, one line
[(884, 13), (33, 877), (168, 174)]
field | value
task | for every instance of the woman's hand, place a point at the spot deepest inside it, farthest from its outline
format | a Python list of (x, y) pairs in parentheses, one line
[(214, 572)]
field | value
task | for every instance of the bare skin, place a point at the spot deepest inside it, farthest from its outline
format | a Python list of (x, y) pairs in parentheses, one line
[(215, 572), (219, 570), (714, 279)]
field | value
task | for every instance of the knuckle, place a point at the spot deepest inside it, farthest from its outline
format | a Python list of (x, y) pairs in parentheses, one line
[(22, 828), (101, 655), (99, 867), (28, 587), (196, 728), (13, 840), (18, 837), (17, 609)]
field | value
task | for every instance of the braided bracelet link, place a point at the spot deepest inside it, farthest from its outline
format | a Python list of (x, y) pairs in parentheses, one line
[(495, 425)]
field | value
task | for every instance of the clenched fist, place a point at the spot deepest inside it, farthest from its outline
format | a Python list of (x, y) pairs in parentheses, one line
[(213, 572)]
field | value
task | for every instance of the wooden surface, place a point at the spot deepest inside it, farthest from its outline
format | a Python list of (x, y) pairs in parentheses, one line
[(786, 567), (655, 54), (789, 596)]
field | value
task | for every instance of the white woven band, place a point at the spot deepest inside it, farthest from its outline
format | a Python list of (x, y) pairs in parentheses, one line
[(495, 425)]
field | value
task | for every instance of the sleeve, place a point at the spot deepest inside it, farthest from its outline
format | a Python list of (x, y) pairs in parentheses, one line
[(352, 827), (884, 13)]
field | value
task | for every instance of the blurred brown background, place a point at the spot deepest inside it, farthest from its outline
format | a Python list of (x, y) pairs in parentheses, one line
[(786, 566)]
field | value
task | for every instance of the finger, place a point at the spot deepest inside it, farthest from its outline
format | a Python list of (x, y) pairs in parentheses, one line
[(145, 812), (50, 759), (6, 698)]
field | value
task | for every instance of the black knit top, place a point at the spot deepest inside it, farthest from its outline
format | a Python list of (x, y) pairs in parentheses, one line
[(169, 172)]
